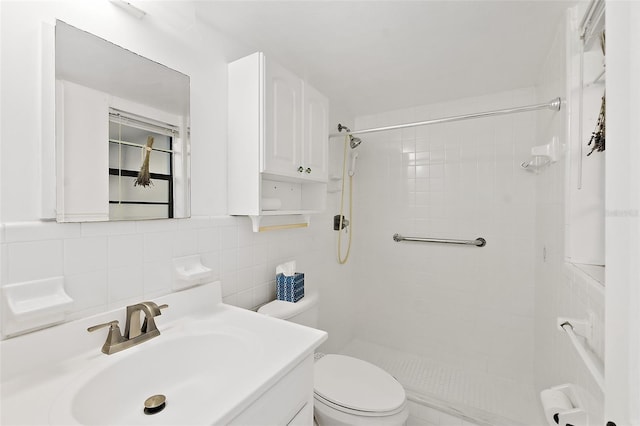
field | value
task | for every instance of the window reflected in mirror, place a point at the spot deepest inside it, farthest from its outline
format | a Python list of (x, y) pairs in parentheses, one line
[(129, 153), (122, 132)]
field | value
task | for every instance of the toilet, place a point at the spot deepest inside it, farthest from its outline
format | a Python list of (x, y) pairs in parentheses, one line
[(347, 391)]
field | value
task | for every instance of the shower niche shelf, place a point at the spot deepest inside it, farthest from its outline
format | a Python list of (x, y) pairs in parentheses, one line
[(277, 145)]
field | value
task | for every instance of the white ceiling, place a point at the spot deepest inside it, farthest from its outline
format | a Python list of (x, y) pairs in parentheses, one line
[(373, 56)]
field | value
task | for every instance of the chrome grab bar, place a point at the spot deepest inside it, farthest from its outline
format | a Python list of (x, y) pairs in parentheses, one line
[(478, 242)]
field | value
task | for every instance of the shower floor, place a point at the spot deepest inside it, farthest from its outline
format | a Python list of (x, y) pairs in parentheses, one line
[(475, 398)]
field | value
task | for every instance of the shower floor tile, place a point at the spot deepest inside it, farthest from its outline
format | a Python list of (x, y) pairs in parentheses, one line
[(474, 397)]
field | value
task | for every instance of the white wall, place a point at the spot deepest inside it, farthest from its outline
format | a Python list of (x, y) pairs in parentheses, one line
[(464, 306), (623, 214), (561, 289), (106, 265)]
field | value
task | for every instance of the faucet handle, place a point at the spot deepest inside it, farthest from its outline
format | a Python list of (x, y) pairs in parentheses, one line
[(111, 324), (113, 338)]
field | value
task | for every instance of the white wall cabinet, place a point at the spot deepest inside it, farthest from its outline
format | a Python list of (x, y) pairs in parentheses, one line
[(296, 127), (278, 141), (283, 121), (315, 148)]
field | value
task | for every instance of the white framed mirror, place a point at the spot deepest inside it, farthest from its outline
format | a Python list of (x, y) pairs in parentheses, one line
[(122, 132)]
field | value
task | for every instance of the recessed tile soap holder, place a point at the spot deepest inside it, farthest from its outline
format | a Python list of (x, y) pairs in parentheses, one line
[(543, 155), (34, 304), (189, 271)]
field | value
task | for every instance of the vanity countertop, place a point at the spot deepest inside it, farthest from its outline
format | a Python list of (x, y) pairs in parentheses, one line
[(42, 372)]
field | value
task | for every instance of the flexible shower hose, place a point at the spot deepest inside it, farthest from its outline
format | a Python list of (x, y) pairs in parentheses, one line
[(344, 169)]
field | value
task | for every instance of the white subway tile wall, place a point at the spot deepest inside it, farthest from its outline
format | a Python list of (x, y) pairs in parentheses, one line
[(464, 306)]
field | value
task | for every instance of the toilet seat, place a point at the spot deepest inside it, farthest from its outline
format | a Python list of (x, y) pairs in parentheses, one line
[(318, 399), (357, 387)]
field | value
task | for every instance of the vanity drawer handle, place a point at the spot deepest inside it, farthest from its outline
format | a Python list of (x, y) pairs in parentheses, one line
[(300, 169)]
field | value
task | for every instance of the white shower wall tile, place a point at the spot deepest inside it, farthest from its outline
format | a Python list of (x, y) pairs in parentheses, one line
[(455, 180)]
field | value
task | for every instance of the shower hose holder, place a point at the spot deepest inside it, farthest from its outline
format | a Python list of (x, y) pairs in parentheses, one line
[(336, 223)]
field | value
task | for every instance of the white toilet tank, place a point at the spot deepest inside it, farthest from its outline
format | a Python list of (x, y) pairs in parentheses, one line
[(304, 311)]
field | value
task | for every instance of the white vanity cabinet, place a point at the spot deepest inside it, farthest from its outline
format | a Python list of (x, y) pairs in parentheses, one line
[(277, 143), (288, 402)]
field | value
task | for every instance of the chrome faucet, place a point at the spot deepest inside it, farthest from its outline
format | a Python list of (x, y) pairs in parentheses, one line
[(134, 333)]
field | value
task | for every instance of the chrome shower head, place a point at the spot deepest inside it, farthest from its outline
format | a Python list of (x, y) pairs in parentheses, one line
[(354, 141)]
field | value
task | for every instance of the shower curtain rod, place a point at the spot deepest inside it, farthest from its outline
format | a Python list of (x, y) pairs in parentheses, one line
[(554, 105)]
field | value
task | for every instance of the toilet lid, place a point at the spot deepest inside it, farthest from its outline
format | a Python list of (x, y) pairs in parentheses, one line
[(356, 384)]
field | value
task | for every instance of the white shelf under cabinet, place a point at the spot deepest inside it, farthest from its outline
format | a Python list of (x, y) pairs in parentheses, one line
[(277, 220), (277, 149), (288, 212)]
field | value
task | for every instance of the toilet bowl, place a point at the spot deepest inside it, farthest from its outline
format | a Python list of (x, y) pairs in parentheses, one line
[(347, 390), (350, 391)]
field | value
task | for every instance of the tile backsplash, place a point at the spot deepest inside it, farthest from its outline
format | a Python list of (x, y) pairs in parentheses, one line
[(111, 264)]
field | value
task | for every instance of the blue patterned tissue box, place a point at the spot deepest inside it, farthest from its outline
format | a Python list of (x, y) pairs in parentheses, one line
[(290, 288)]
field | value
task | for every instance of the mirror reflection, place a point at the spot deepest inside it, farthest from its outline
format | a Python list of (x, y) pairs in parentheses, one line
[(122, 132)]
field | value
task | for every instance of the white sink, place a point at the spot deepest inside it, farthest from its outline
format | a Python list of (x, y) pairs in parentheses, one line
[(189, 370), (212, 362)]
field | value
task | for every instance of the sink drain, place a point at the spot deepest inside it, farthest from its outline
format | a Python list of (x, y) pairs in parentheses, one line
[(154, 404)]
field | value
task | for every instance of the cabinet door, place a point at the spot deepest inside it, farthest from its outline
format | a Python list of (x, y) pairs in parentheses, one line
[(283, 124), (315, 146)]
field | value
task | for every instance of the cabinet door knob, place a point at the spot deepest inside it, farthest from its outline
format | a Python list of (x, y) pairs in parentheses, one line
[(308, 170), (300, 169)]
